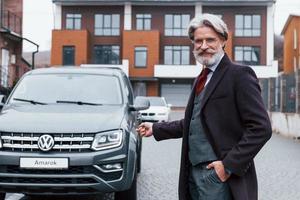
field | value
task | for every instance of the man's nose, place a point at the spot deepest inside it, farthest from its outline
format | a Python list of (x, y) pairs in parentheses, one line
[(204, 45)]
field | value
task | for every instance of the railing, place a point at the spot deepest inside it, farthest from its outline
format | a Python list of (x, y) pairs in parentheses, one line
[(282, 94), (11, 22)]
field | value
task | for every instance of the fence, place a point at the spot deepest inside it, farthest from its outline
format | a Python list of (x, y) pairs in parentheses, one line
[(282, 94)]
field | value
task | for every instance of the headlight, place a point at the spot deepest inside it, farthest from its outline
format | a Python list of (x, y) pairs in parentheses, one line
[(107, 140)]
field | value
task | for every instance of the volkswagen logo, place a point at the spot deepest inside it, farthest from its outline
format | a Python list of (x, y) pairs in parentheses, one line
[(45, 142)]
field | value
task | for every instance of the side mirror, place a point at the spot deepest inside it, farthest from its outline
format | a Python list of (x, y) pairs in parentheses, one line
[(140, 103), (169, 105)]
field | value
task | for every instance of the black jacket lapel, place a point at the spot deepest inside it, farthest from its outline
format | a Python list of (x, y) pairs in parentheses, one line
[(215, 79)]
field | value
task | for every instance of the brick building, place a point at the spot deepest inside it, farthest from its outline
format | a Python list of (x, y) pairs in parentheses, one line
[(148, 39), (12, 65), (291, 47)]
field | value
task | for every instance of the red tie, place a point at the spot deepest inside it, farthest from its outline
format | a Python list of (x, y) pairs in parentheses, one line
[(201, 80)]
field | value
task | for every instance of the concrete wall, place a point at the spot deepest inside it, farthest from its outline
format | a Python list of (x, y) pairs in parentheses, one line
[(287, 124)]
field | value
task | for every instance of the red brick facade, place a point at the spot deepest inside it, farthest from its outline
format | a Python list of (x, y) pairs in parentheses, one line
[(79, 39), (11, 41)]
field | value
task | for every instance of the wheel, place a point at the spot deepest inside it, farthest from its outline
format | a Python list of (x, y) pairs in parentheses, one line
[(2, 196), (139, 157), (107, 196), (139, 163), (129, 194), (36, 197)]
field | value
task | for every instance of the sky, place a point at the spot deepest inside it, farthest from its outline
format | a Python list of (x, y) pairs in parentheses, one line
[(38, 20)]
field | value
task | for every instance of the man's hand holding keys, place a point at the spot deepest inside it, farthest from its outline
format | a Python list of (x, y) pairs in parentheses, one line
[(145, 129)]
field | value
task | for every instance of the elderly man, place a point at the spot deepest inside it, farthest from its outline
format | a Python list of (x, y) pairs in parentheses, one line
[(225, 123)]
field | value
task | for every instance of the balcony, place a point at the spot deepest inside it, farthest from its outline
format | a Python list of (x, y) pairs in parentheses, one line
[(11, 22), (176, 71), (266, 71), (123, 66), (191, 71)]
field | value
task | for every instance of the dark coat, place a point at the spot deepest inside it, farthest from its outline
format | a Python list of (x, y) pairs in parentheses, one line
[(236, 125)]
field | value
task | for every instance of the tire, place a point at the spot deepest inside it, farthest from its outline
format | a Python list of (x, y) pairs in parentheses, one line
[(107, 196), (129, 194), (2, 196), (139, 157)]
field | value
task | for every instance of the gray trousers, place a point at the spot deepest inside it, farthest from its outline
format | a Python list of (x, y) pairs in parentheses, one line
[(205, 184)]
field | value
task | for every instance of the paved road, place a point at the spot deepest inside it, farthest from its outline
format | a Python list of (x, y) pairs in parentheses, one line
[(160, 168), (278, 169)]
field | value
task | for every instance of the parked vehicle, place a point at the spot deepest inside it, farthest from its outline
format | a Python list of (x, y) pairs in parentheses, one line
[(159, 110), (71, 130)]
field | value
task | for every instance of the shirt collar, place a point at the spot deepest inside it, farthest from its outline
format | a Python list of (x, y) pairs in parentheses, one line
[(214, 67)]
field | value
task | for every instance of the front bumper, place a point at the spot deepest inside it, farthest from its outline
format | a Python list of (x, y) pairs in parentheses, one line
[(84, 175)]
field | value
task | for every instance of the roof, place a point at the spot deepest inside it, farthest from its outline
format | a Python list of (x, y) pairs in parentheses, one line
[(164, 2), (76, 69), (288, 21)]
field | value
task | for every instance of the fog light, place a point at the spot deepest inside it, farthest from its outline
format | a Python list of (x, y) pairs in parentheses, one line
[(107, 168), (112, 166)]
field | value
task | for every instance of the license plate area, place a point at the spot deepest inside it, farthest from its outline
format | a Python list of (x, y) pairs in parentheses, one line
[(44, 163)]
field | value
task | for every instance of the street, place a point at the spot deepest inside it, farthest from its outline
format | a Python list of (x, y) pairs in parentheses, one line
[(278, 169), (277, 165)]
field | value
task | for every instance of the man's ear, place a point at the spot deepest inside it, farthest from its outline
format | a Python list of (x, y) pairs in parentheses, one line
[(223, 44)]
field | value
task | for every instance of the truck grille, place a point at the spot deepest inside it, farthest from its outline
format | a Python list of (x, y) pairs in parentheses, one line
[(147, 114), (64, 142)]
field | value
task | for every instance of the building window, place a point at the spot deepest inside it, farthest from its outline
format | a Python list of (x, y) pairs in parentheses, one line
[(177, 55), (176, 25), (107, 24), (247, 25), (106, 54), (143, 22), (140, 56), (68, 55), (4, 67), (247, 55), (73, 21)]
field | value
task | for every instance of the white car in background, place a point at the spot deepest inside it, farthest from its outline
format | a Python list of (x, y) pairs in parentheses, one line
[(159, 110)]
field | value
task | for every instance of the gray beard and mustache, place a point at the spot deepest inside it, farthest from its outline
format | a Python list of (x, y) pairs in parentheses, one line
[(208, 62)]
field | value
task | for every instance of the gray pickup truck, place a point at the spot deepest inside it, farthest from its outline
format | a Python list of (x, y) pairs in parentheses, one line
[(69, 131)]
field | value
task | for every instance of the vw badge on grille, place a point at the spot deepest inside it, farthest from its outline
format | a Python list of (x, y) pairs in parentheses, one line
[(46, 142)]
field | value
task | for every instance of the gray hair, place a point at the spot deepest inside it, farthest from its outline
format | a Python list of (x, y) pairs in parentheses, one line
[(208, 20)]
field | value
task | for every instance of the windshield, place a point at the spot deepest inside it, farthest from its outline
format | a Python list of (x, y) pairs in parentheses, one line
[(156, 101), (60, 88)]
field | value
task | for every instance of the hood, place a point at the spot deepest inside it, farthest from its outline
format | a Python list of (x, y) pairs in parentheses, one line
[(60, 118)]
